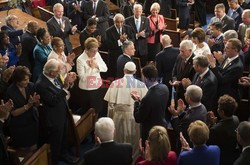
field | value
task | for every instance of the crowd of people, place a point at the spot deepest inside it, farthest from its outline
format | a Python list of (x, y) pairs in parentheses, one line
[(193, 89)]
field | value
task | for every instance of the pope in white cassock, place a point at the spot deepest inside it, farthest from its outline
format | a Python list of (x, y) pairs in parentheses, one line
[(121, 107)]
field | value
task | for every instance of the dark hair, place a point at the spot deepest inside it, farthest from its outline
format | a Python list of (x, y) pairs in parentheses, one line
[(227, 104), (244, 131), (236, 43), (91, 21), (19, 73), (199, 33), (40, 33), (150, 72), (2, 34), (217, 25)]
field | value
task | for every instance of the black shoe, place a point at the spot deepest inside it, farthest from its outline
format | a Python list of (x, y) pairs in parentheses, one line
[(69, 159)]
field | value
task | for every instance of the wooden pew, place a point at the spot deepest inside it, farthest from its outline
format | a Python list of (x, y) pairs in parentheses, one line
[(45, 14), (175, 36), (137, 62), (173, 13), (39, 157), (80, 127), (171, 23)]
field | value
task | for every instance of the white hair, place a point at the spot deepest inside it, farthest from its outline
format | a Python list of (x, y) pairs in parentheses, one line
[(194, 92), (188, 44), (118, 15), (56, 6), (51, 65), (104, 129)]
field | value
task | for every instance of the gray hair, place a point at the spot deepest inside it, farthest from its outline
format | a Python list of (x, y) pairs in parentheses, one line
[(233, 1), (104, 129), (194, 92), (50, 66), (56, 6), (246, 12), (137, 5), (188, 44), (230, 34), (9, 18), (201, 60), (118, 15), (126, 44), (166, 40), (220, 6)]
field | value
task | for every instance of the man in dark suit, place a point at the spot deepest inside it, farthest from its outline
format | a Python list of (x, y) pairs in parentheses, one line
[(243, 137), (59, 26), (141, 30), (11, 26), (53, 97), (28, 42), (183, 67), (184, 13), (165, 61), (128, 51), (115, 36), (229, 72), (108, 151), (235, 11), (182, 116), (225, 129), (215, 41), (206, 80), (97, 9), (220, 16), (127, 9), (150, 110)]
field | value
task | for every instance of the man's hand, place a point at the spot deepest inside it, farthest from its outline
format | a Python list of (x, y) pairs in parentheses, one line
[(18, 49), (70, 59), (7, 73), (219, 56), (74, 28), (210, 41), (123, 37), (135, 96), (244, 81), (211, 60), (186, 82), (184, 143), (211, 117)]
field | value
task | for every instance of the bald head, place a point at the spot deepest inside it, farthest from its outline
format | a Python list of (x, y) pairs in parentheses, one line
[(166, 40)]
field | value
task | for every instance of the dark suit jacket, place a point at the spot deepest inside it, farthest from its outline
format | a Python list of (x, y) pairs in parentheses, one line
[(28, 44), (218, 45), (228, 78), (209, 86), (110, 153), (102, 13), (111, 43), (244, 158), (188, 72), (151, 110), (84, 35), (165, 61), (141, 42), (128, 10), (223, 134), (55, 31), (184, 13), (121, 61), (181, 123), (54, 101), (3, 146), (15, 35)]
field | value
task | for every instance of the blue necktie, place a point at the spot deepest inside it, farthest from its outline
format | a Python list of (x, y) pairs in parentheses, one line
[(57, 84), (137, 24)]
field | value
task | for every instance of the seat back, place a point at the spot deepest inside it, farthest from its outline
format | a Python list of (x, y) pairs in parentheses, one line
[(173, 13), (40, 157), (45, 14), (137, 62), (171, 24), (175, 37)]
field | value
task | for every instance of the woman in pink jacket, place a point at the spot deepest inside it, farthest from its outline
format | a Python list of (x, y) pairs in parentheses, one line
[(157, 24)]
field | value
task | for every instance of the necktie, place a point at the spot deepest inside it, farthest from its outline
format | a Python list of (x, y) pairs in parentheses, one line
[(60, 22), (198, 81), (94, 8), (226, 63), (56, 83), (137, 24), (183, 63)]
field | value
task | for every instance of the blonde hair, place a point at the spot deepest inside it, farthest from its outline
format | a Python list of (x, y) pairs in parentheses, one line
[(159, 143), (198, 132), (247, 34), (155, 6), (91, 43)]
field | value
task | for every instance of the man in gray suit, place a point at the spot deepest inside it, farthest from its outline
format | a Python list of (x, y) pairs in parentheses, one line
[(244, 25), (59, 26), (220, 16)]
